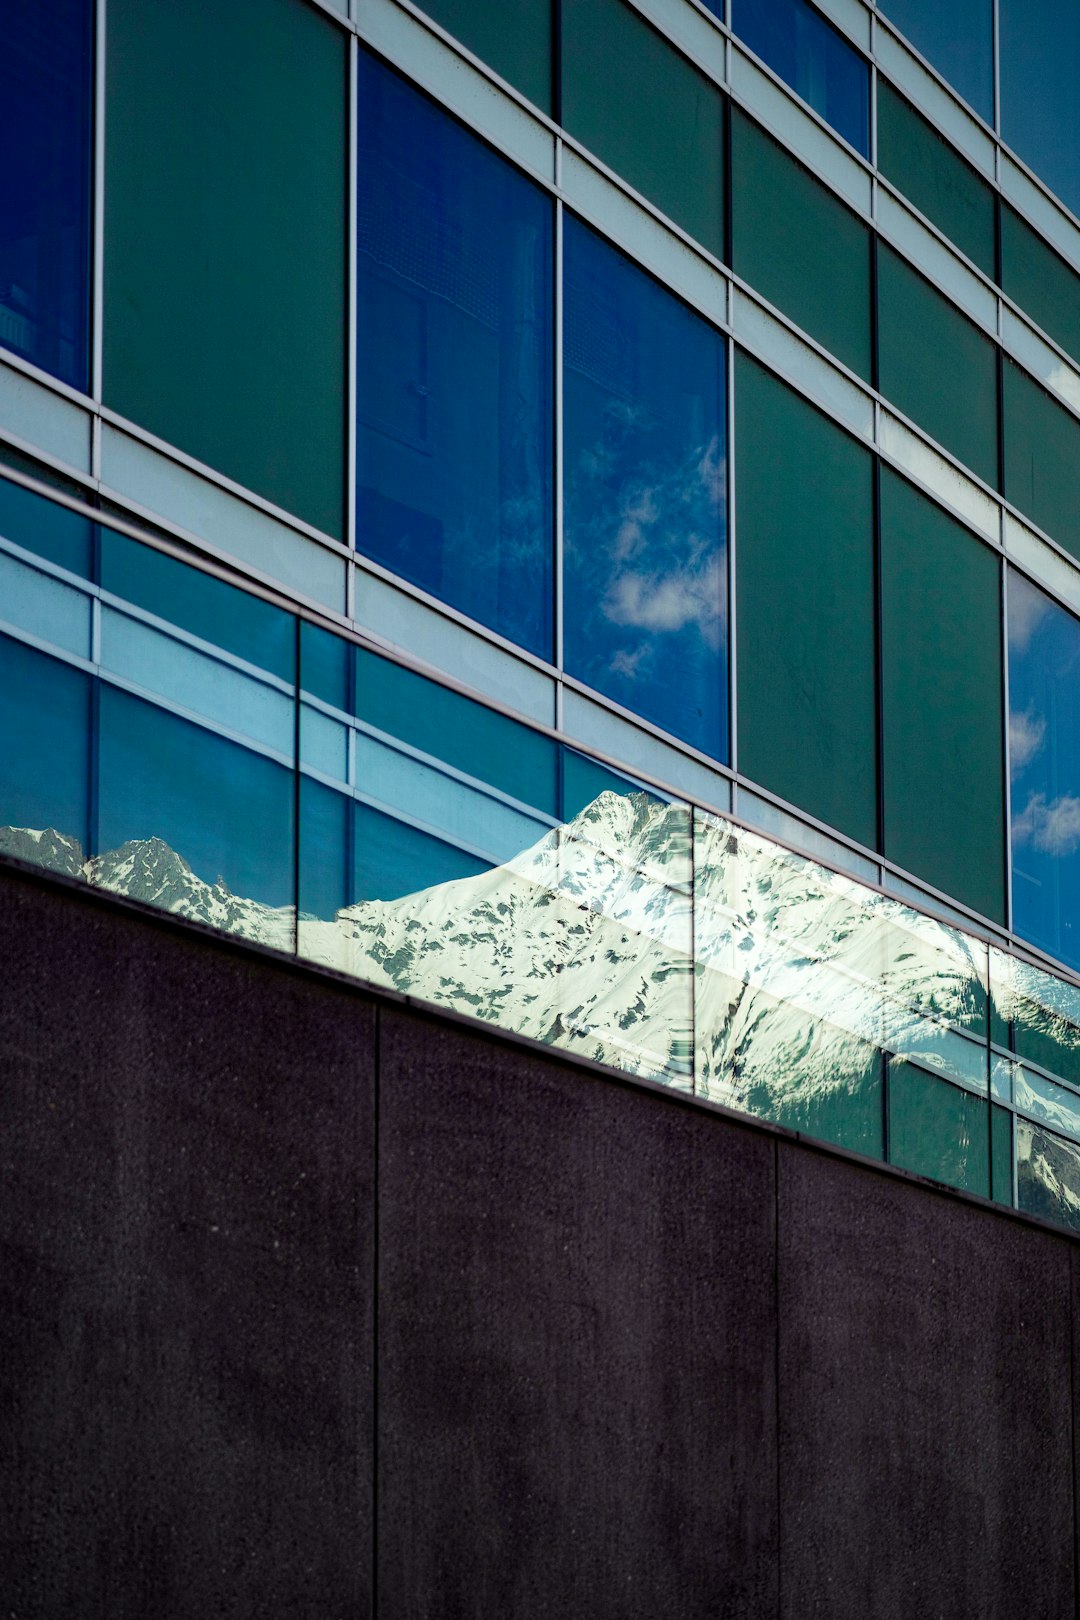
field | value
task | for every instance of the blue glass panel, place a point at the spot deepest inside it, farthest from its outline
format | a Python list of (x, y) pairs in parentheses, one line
[(199, 810), (207, 607), (51, 531), (1040, 110), (45, 143), (958, 39), (44, 758), (450, 727), (813, 57), (646, 494), (455, 364), (1044, 741), (583, 781)]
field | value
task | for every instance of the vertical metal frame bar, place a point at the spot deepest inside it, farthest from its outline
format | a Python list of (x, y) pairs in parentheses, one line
[(97, 271), (1005, 742), (997, 78), (558, 445), (351, 300), (732, 609)]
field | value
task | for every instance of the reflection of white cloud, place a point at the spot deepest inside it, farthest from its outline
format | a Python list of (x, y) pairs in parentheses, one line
[(627, 663), (1053, 828), (1027, 608), (1026, 733), (669, 601)]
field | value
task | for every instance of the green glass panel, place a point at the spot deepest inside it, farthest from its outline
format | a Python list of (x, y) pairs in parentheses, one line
[(1042, 457), (805, 591), (513, 36), (1047, 1175), (225, 264), (1042, 284), (794, 242), (848, 1113), (936, 366), (938, 1129), (1001, 1155), (942, 707), (646, 112), (931, 173)]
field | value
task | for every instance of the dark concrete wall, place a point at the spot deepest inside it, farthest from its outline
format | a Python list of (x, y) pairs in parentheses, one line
[(313, 1305)]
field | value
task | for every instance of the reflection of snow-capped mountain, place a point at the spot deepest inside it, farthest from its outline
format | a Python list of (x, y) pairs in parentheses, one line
[(583, 940), (148, 869)]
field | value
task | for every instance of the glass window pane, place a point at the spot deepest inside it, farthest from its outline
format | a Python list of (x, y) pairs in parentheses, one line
[(209, 608), (942, 714), (1039, 52), (46, 70), (520, 762), (1001, 1154), (958, 39), (1041, 283), (937, 1129), (1042, 457), (646, 112), (805, 583), (192, 822), (645, 581), (797, 244), (456, 364), (44, 759), (1047, 1175), (52, 531), (931, 173), (225, 231), (812, 57), (512, 36), (1044, 742), (936, 366)]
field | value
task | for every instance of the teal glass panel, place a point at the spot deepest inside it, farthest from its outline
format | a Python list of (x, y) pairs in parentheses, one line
[(1039, 55), (937, 1129), (644, 110), (44, 759), (645, 467), (850, 1114), (454, 729), (584, 780), (1043, 1012), (1042, 457), (1001, 1154), (192, 822), (1044, 286), (1044, 746), (936, 366), (796, 243), (942, 704), (326, 666), (225, 231), (930, 172), (1047, 1175), (41, 526), (512, 36), (326, 852), (805, 589), (957, 39), (217, 612)]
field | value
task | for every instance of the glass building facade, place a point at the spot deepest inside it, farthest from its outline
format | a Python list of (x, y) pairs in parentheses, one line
[(571, 510)]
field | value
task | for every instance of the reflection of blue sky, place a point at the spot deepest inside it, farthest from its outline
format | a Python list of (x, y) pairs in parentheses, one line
[(646, 471), (1044, 744)]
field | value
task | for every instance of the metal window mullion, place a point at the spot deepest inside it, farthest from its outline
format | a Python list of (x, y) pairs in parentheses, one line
[(558, 448), (351, 307)]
